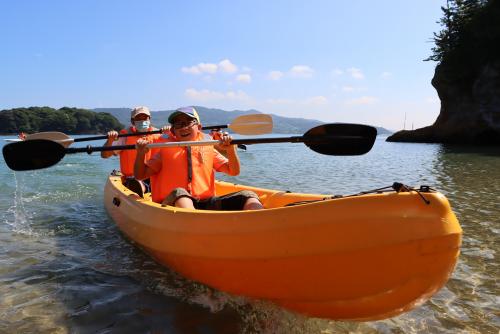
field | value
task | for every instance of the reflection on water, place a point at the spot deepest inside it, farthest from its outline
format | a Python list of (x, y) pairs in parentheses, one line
[(64, 267), (471, 180)]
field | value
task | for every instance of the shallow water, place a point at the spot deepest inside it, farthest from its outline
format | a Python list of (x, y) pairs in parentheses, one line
[(65, 268)]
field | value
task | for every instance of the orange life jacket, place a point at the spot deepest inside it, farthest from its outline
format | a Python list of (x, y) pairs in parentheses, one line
[(174, 172), (127, 157)]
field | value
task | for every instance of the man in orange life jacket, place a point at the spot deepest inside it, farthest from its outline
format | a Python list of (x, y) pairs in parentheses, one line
[(140, 118), (185, 176)]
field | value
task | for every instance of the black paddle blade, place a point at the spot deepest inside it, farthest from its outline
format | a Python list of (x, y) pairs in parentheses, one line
[(341, 138), (32, 154)]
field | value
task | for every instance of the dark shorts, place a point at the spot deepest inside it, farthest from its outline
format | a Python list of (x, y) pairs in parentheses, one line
[(230, 202), (135, 185)]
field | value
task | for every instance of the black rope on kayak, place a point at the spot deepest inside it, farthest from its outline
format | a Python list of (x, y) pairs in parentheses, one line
[(314, 200), (399, 187), (427, 189), (374, 191), (396, 186), (419, 192)]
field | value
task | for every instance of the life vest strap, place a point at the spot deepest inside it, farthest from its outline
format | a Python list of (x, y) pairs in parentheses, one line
[(190, 168)]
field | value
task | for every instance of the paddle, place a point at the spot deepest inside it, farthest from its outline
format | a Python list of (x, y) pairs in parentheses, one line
[(329, 139), (253, 124)]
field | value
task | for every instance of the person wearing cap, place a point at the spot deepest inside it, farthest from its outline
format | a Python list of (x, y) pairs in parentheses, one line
[(140, 119), (185, 176)]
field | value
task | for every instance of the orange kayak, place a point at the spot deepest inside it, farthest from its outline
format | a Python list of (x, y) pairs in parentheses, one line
[(362, 257)]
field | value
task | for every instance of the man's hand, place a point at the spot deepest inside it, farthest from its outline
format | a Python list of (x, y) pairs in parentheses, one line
[(141, 146), (112, 136), (225, 138), (165, 129)]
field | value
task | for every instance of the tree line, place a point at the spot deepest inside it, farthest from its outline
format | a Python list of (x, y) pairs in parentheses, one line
[(67, 120), (471, 32)]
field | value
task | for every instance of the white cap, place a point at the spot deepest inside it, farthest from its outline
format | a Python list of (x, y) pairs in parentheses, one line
[(140, 110), (188, 111)]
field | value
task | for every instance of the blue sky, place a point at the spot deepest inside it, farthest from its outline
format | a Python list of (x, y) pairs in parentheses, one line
[(335, 61)]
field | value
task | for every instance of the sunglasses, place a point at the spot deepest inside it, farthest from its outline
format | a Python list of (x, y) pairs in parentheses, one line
[(180, 124)]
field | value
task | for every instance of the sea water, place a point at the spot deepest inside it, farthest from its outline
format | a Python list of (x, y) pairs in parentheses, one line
[(66, 268)]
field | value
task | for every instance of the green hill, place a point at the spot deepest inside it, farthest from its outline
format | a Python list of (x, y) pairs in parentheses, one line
[(67, 120), (209, 116)]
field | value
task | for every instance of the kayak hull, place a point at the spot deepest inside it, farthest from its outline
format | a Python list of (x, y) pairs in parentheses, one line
[(366, 257)]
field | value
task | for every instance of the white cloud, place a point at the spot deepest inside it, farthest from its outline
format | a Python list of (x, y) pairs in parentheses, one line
[(356, 73), (301, 71), (275, 75), (316, 101), (337, 72), (386, 75), (347, 89), (227, 67), (191, 70), (239, 95), (364, 100), (224, 66), (208, 78), (207, 68), (200, 68), (202, 95), (245, 78), (208, 95)]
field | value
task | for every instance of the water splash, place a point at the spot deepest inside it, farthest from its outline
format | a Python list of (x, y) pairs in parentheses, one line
[(16, 214)]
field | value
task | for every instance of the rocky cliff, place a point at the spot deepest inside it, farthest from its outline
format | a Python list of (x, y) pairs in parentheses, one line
[(468, 84)]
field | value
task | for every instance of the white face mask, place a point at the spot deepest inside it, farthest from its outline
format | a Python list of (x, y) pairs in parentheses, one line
[(142, 126)]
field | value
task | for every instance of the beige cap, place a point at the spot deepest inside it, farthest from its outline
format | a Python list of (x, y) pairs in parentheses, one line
[(140, 110)]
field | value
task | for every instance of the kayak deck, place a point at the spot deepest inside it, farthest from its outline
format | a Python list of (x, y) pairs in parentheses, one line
[(356, 258)]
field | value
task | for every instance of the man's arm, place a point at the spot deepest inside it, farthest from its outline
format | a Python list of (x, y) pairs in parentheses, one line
[(141, 170), (232, 167), (112, 136)]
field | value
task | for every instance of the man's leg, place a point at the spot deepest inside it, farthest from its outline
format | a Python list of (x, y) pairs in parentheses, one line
[(184, 202), (241, 200), (252, 203), (180, 198)]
